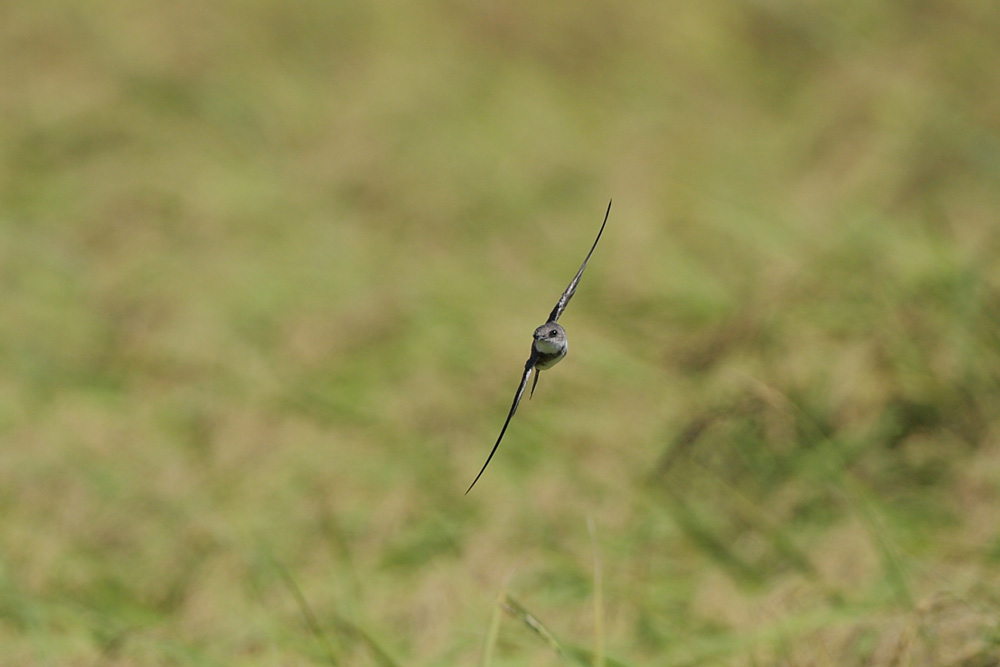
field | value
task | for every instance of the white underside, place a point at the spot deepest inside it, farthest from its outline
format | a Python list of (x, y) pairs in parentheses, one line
[(548, 347)]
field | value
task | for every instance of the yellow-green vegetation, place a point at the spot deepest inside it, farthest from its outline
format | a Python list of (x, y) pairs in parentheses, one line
[(269, 273)]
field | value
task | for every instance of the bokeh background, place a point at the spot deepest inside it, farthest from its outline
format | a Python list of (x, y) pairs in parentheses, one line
[(269, 273)]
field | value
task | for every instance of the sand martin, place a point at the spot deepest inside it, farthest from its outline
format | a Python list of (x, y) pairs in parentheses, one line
[(547, 349)]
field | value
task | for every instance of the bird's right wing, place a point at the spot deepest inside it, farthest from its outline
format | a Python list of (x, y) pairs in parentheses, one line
[(529, 367)]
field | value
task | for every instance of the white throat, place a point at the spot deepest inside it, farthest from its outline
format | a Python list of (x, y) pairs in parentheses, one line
[(546, 346)]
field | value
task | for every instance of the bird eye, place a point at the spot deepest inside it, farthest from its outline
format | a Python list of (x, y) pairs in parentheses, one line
[(553, 333)]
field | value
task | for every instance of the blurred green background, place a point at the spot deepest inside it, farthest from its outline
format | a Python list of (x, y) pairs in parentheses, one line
[(269, 273)]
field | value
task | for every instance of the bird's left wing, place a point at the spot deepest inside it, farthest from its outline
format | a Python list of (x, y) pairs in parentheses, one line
[(568, 294)]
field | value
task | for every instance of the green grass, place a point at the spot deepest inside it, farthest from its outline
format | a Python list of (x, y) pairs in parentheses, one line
[(244, 248)]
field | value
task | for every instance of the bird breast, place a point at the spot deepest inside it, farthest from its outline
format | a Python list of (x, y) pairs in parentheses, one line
[(547, 347)]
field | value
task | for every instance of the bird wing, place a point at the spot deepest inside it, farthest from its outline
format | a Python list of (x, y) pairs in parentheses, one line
[(568, 294), (529, 366)]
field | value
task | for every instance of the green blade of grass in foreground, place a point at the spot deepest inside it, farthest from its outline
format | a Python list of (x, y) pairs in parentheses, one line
[(598, 598), (345, 628), (493, 633), (577, 654)]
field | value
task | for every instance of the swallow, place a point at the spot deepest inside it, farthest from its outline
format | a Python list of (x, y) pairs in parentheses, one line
[(547, 349)]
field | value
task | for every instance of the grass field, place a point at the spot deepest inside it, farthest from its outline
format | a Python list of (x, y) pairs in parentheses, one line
[(269, 274)]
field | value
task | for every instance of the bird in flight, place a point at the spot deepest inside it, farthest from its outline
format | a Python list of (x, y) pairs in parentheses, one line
[(547, 349)]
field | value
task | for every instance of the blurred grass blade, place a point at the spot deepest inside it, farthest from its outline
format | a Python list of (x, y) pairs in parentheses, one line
[(307, 613), (861, 504), (493, 633), (517, 610), (357, 633), (345, 628), (704, 537), (891, 562), (577, 654), (750, 512), (598, 597), (584, 656)]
